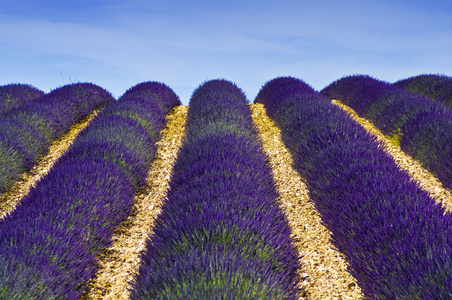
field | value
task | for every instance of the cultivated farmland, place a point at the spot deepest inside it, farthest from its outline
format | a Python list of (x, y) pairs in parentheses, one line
[(339, 194)]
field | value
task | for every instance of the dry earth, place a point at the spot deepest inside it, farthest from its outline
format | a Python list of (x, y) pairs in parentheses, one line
[(323, 270), (119, 263), (323, 274)]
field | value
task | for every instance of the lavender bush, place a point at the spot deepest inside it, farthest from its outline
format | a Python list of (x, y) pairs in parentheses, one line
[(437, 87), (153, 91), (16, 94), (49, 243), (146, 113)]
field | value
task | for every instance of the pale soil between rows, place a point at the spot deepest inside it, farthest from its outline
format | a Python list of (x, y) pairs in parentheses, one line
[(119, 263), (323, 274)]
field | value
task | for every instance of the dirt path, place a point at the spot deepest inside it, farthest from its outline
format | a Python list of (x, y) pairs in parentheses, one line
[(323, 270), (119, 263), (423, 177), (27, 180)]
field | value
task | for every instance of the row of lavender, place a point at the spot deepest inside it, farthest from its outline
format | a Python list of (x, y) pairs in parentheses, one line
[(396, 239), (437, 87), (49, 243), (221, 233), (15, 94), (27, 130), (422, 125)]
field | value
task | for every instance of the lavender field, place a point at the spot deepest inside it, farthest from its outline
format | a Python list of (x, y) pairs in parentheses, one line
[(285, 197)]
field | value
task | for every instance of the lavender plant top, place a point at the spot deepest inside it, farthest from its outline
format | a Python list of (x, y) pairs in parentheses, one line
[(48, 245), (16, 94), (156, 92), (396, 239), (221, 234), (404, 116), (284, 86), (219, 107), (437, 87)]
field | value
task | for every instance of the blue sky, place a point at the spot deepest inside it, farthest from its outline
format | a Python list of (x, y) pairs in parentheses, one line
[(117, 44)]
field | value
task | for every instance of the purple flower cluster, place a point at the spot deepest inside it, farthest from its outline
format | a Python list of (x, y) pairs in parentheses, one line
[(16, 94), (48, 245), (396, 239), (437, 87), (221, 233), (423, 126), (164, 97), (27, 130), (292, 86)]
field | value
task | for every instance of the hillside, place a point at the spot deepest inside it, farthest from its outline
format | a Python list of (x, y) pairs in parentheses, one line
[(323, 273)]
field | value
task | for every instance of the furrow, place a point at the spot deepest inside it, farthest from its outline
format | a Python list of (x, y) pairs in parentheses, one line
[(323, 270), (119, 263)]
